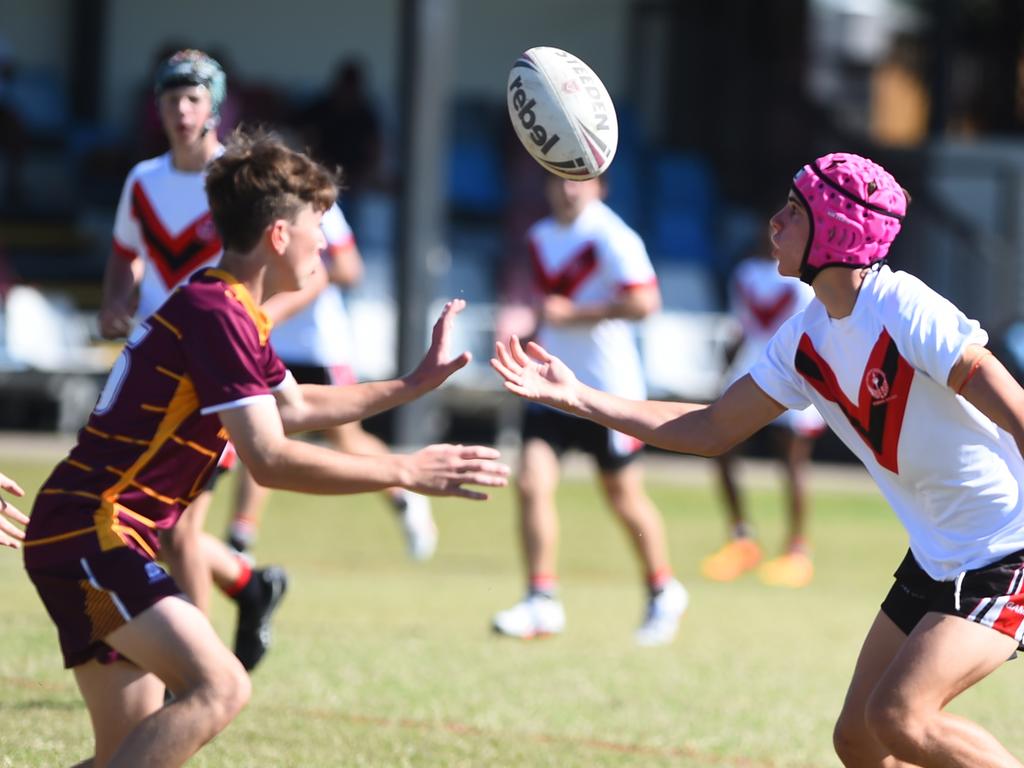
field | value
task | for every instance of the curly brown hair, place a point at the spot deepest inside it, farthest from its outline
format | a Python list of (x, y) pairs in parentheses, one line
[(259, 180)]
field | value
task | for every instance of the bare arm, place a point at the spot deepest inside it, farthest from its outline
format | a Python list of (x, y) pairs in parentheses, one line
[(121, 280), (991, 389), (276, 461), (633, 303), (344, 264), (285, 304), (312, 407), (705, 430)]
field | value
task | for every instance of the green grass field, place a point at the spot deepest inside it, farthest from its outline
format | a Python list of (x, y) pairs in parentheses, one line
[(381, 662)]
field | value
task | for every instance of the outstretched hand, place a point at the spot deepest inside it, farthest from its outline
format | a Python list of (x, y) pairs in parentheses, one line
[(10, 534), (437, 364), (535, 374), (443, 470)]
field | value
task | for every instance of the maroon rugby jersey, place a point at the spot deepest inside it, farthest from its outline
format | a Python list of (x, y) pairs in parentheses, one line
[(154, 438)]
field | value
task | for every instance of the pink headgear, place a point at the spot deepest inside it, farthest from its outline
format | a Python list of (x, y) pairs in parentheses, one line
[(856, 210)]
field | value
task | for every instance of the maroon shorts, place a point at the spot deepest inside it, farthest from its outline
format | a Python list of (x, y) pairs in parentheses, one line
[(91, 597)]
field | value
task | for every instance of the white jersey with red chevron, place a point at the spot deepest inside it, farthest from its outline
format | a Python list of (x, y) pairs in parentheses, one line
[(163, 218), (320, 334), (762, 300), (879, 377), (592, 261)]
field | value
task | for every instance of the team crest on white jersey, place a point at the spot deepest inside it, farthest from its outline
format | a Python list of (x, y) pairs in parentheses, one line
[(877, 384)]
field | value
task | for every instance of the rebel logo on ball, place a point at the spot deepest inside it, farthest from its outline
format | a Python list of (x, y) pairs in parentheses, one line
[(523, 108)]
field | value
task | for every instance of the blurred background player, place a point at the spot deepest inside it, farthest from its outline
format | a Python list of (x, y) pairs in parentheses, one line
[(313, 336), (762, 301), (594, 277), (163, 233)]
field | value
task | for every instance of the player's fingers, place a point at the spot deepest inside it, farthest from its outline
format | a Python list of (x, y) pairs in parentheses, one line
[(504, 371), (537, 351), (517, 389), (7, 484), (13, 513), (517, 352), (465, 493), (459, 362), (11, 530), (478, 452), (501, 352)]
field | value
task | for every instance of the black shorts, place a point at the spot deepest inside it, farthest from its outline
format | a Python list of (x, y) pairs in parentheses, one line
[(992, 596), (335, 375), (612, 450)]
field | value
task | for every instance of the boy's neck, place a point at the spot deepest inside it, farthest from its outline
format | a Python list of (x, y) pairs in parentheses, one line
[(192, 158), (249, 269), (837, 288)]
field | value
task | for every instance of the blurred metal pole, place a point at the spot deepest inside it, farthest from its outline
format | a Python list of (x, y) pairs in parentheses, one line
[(427, 63), (88, 22), (942, 40)]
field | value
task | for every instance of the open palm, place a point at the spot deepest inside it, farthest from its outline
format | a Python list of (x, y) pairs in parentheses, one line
[(438, 364), (535, 374)]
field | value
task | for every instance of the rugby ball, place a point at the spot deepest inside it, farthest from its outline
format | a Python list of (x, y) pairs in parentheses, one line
[(562, 113)]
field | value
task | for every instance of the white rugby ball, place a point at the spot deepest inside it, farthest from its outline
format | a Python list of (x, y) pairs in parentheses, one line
[(562, 113)]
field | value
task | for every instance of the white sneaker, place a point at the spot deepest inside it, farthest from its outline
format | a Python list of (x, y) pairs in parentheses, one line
[(536, 616), (418, 526), (663, 614)]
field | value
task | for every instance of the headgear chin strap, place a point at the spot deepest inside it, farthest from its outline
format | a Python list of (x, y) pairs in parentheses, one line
[(192, 67), (856, 209)]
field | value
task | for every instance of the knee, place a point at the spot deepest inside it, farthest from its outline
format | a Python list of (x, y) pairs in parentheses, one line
[(850, 740), (224, 695), (896, 725), (532, 488)]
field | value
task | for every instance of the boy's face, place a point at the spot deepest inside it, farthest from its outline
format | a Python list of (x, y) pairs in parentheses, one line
[(299, 258), (185, 113), (568, 198), (790, 229)]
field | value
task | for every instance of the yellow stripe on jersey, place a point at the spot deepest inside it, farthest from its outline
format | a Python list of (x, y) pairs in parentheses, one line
[(124, 530), (153, 408), (58, 537), (195, 446), (242, 295), (156, 316), (123, 510), (84, 494), (78, 465), (168, 372), (183, 404)]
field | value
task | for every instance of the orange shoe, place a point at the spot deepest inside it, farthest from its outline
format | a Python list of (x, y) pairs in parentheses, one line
[(793, 570), (731, 561)]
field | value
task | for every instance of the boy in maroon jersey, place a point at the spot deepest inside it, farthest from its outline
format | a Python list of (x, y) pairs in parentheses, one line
[(198, 369)]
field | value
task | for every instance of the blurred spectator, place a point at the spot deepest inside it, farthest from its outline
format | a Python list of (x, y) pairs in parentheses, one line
[(342, 128)]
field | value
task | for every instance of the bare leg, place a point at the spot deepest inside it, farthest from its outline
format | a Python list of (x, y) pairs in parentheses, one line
[(174, 643), (250, 500), (854, 742), (726, 464), (795, 450), (943, 657), (181, 548), (536, 485), (624, 489), (226, 567), (741, 552)]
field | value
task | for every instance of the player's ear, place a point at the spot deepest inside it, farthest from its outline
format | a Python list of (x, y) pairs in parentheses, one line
[(279, 235)]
